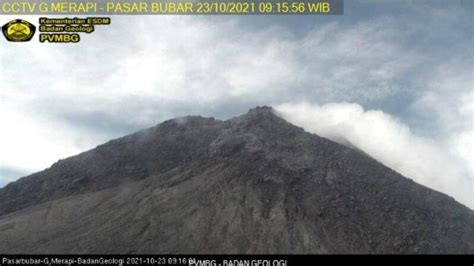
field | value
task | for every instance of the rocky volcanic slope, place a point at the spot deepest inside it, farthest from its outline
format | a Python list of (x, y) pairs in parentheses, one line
[(251, 184)]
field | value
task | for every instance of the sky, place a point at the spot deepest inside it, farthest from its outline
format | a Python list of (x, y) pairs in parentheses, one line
[(395, 78)]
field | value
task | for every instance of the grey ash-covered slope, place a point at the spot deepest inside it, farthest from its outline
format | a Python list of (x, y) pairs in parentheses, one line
[(251, 184)]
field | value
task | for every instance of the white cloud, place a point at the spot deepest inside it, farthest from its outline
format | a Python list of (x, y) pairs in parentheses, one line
[(449, 95), (31, 144), (388, 140)]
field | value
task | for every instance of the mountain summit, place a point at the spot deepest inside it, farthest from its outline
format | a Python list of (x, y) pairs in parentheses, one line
[(250, 184)]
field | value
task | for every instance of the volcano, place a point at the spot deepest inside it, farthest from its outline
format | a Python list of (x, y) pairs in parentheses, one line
[(253, 184)]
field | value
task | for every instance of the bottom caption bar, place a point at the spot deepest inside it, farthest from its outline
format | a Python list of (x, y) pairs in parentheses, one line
[(227, 260)]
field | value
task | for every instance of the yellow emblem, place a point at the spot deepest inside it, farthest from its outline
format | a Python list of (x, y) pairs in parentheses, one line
[(18, 30)]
